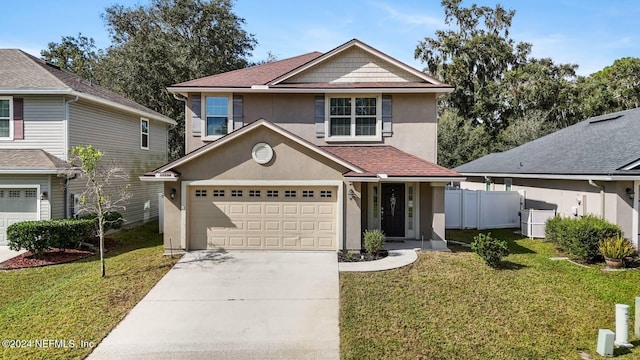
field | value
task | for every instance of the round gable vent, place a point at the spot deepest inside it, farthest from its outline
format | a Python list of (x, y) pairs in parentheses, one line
[(262, 153)]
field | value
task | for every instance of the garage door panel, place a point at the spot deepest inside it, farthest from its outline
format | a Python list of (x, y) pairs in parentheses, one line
[(16, 205), (326, 226), (272, 209), (273, 242), (266, 219), (254, 241)]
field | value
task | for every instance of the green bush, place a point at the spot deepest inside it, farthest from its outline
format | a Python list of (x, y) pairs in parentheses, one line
[(491, 249), (38, 236), (580, 237), (112, 220), (373, 241)]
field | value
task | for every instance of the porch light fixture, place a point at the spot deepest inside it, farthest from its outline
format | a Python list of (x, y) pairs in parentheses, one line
[(43, 195), (630, 192), (351, 194), (172, 193)]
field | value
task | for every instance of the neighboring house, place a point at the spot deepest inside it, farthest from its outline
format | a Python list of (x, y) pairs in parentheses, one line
[(305, 154), (45, 111), (592, 167)]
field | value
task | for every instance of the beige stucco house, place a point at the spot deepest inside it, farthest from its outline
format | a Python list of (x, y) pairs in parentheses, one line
[(305, 154), (592, 167), (45, 111)]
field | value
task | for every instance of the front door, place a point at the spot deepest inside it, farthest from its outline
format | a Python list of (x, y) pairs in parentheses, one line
[(392, 209)]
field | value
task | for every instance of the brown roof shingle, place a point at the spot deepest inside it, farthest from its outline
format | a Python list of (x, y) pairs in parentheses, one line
[(30, 159), (385, 159), (254, 75), (19, 70)]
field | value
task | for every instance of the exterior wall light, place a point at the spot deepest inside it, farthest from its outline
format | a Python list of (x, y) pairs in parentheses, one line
[(172, 193), (43, 195), (351, 194), (630, 192)]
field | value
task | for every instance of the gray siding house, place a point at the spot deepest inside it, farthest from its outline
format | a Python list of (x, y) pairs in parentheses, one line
[(45, 111), (306, 153), (592, 167)]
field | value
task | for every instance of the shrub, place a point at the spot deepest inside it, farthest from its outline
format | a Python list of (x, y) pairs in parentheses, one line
[(373, 241), (616, 248), (38, 236), (580, 237), (491, 249), (112, 220)]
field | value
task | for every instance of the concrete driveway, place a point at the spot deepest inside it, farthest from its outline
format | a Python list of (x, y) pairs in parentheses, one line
[(6, 253), (235, 305)]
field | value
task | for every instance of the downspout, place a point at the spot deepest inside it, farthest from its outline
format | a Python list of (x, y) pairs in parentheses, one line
[(601, 187), (66, 156), (66, 127)]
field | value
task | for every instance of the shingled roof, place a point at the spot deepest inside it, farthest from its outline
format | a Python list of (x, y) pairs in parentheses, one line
[(24, 73), (385, 159), (31, 161), (602, 145), (279, 74)]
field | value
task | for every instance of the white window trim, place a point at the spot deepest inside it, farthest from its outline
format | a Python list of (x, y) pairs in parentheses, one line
[(353, 137), (229, 97), (10, 98), (142, 120)]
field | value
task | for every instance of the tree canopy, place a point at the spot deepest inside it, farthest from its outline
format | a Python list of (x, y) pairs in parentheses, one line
[(156, 46), (503, 92)]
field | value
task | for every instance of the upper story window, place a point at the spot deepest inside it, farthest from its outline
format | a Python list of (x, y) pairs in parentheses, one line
[(354, 118), (6, 117), (217, 116), (144, 134)]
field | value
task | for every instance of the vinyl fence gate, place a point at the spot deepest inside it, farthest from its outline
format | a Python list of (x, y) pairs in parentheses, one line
[(479, 209)]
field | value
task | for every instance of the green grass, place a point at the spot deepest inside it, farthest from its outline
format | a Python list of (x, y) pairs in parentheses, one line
[(72, 302), (453, 306)]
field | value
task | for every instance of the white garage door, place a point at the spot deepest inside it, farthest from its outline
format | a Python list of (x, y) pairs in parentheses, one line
[(16, 205), (278, 218)]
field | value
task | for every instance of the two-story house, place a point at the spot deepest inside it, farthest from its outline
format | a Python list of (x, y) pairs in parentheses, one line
[(305, 154), (45, 111)]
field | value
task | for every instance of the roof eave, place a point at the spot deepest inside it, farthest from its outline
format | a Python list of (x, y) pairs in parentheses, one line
[(92, 98), (130, 109), (229, 137), (35, 91), (596, 177), (403, 90), (439, 179)]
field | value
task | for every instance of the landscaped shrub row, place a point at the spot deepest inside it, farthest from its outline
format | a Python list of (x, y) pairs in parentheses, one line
[(580, 237), (37, 236)]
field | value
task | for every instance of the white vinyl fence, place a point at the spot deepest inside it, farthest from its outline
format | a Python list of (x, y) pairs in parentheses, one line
[(478, 209)]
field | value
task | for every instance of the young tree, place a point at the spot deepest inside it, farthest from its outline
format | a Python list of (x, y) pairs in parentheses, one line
[(105, 189)]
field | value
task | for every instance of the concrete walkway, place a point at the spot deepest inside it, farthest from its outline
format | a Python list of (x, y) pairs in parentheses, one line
[(235, 305), (401, 254), (6, 253)]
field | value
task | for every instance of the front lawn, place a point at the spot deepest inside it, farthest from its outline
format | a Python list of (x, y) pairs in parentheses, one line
[(48, 312), (452, 306)]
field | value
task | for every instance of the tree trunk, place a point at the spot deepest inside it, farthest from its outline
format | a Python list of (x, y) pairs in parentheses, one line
[(101, 232)]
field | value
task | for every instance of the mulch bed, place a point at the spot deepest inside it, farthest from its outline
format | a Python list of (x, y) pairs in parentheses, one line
[(55, 256), (363, 256), (50, 257)]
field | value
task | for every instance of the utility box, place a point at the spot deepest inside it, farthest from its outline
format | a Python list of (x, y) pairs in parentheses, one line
[(605, 342)]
